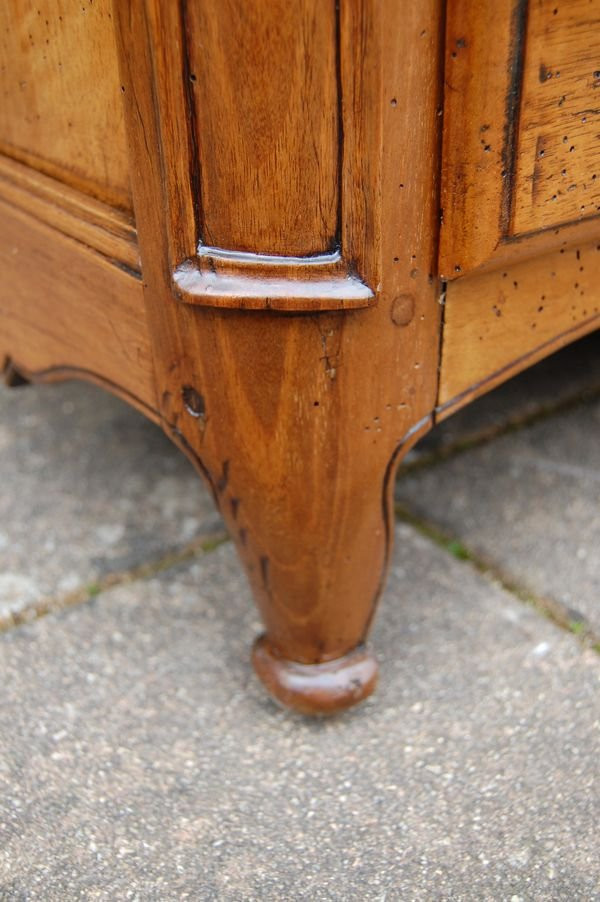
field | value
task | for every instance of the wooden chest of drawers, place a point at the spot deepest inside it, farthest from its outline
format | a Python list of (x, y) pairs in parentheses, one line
[(297, 235)]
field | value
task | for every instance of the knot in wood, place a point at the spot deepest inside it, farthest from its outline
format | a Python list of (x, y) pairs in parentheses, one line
[(193, 400)]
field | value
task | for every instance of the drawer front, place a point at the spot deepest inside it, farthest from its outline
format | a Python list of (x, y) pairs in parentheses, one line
[(61, 102), (521, 151), (557, 160)]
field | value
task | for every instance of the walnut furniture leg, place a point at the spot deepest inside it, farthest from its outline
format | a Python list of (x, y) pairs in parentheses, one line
[(302, 477), (279, 279)]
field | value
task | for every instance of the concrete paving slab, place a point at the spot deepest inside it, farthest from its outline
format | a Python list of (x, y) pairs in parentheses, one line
[(88, 487), (529, 503), (570, 373), (139, 759)]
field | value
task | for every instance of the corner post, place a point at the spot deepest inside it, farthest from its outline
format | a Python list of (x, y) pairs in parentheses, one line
[(285, 192)]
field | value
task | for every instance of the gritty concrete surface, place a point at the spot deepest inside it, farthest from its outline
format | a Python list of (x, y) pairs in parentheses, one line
[(528, 502), (89, 487), (139, 758)]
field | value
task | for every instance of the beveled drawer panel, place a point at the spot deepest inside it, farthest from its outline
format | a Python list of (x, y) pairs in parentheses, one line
[(521, 155), (557, 177)]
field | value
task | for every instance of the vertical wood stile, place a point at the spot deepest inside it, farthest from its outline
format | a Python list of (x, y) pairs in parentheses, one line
[(297, 420)]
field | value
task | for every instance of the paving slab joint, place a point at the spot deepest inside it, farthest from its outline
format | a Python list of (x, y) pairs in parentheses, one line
[(198, 547), (562, 616)]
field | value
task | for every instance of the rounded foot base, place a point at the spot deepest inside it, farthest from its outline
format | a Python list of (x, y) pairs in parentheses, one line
[(316, 688)]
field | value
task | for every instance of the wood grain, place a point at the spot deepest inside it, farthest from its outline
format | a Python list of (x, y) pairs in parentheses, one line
[(60, 106), (66, 311), (265, 110), (498, 323), (101, 227), (558, 152)]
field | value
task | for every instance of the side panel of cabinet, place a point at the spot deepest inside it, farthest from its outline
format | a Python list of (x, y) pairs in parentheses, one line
[(73, 314), (60, 96)]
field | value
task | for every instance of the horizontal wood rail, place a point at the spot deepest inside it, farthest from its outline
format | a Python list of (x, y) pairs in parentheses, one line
[(88, 220)]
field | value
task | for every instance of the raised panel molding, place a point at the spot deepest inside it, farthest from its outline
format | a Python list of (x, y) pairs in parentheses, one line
[(263, 90), (520, 163), (277, 219), (557, 166), (105, 229)]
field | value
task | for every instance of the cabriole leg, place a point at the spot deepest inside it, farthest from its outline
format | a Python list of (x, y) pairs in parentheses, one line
[(299, 450), (286, 205)]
